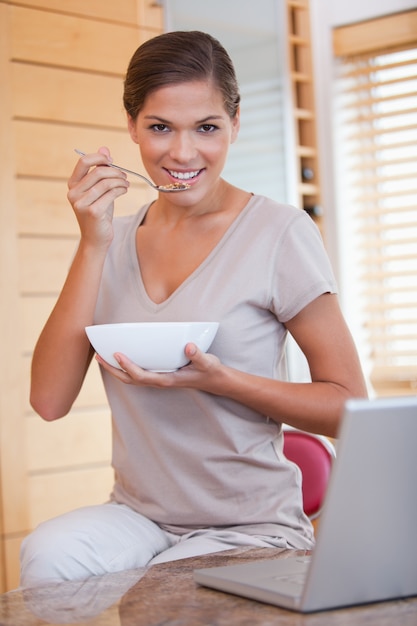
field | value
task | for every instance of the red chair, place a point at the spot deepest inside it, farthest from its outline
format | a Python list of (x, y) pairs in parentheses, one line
[(314, 456)]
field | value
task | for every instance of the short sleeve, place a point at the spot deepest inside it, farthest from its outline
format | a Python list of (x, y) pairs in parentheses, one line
[(302, 268)]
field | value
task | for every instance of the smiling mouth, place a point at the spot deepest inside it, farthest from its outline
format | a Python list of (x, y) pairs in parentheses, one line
[(184, 176)]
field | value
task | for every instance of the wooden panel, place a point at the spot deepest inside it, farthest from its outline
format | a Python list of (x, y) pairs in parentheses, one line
[(151, 14), (53, 111), (390, 31), (11, 560), (6, 195), (125, 11), (72, 96), (13, 507), (3, 586), (47, 150), (44, 264), (78, 439), (34, 313), (61, 40), (53, 494), (43, 208), (92, 393)]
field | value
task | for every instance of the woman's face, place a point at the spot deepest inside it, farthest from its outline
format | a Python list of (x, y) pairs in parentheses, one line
[(184, 134)]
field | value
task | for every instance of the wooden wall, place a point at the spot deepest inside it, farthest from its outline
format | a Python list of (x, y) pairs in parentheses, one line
[(61, 70)]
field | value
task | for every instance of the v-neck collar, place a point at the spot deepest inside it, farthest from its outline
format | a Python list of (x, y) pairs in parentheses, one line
[(212, 254)]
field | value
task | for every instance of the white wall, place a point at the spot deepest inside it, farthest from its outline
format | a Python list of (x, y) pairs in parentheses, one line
[(326, 14)]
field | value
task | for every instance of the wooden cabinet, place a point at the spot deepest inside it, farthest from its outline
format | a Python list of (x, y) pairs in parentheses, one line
[(303, 106), (62, 74)]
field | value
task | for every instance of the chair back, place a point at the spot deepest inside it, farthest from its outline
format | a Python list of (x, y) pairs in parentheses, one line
[(314, 456)]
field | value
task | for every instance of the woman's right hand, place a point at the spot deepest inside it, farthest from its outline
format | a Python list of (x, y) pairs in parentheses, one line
[(92, 190), (63, 353)]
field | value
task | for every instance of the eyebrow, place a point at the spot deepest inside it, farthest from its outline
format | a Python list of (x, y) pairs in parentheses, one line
[(164, 121)]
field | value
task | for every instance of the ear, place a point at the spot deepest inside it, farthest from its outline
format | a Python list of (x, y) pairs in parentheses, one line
[(235, 126), (131, 125)]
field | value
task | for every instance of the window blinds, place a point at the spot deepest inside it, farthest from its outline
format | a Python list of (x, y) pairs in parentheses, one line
[(376, 117)]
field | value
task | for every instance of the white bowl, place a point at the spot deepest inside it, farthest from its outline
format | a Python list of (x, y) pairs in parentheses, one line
[(155, 346)]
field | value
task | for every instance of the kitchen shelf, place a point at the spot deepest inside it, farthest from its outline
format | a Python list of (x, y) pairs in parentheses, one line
[(303, 107)]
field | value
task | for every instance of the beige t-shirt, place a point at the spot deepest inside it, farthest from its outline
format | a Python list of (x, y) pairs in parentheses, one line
[(188, 459)]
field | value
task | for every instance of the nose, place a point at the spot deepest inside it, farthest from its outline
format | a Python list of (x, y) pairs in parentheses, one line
[(183, 147)]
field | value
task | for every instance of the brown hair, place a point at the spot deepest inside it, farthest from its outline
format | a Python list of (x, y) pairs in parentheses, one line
[(178, 57)]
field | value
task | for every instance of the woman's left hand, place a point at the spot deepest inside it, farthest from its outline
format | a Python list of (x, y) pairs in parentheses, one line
[(200, 373)]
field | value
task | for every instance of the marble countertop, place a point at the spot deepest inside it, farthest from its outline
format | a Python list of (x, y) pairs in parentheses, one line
[(166, 594)]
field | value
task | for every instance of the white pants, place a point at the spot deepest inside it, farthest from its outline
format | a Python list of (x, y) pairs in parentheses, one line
[(106, 538)]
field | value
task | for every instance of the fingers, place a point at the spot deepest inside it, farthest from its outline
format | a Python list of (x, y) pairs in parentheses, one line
[(201, 361), (93, 174), (132, 374), (92, 190), (120, 374), (104, 150), (97, 185), (84, 163), (196, 374)]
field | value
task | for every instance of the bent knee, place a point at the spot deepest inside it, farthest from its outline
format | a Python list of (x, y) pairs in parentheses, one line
[(50, 554)]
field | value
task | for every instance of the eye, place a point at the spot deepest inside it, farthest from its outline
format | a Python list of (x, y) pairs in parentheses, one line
[(207, 128), (160, 128)]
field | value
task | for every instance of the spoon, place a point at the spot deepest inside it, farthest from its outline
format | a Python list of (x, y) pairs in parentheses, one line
[(166, 188)]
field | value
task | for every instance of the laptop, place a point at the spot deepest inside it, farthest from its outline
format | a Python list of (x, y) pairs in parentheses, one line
[(366, 548)]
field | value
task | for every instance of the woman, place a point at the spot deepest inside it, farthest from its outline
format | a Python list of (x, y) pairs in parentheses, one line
[(197, 453)]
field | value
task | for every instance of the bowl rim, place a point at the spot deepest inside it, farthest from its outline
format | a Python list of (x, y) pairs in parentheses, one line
[(154, 324)]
